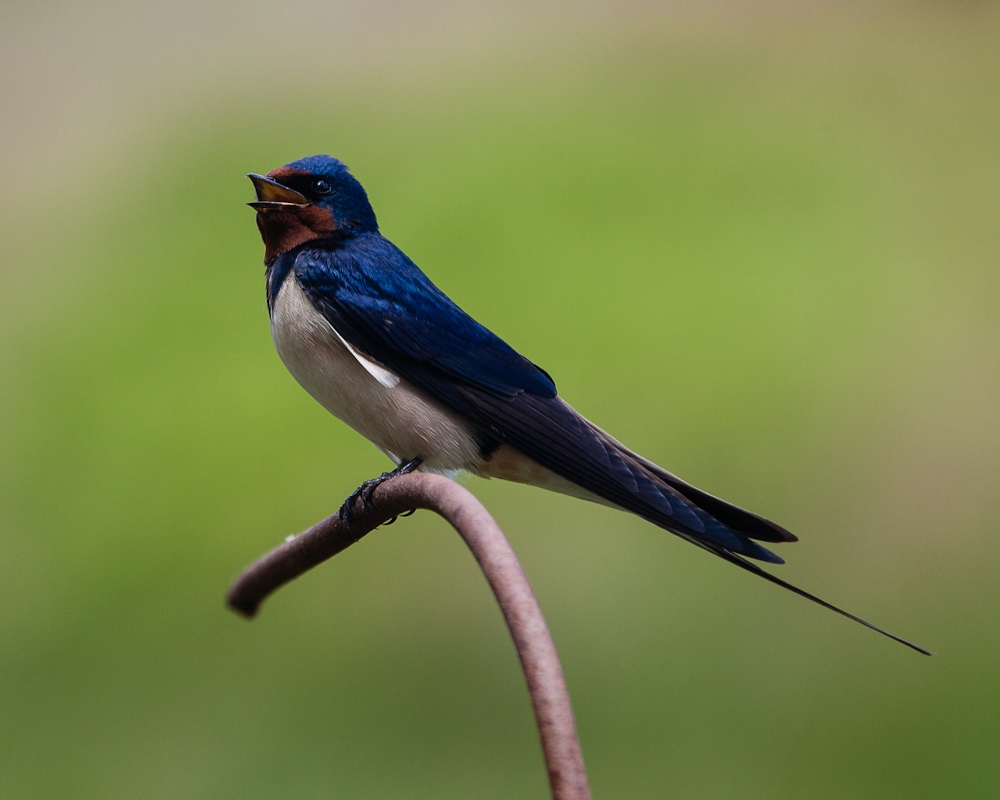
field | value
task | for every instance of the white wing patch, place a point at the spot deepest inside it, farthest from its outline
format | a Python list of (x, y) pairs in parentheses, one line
[(392, 413), (388, 379)]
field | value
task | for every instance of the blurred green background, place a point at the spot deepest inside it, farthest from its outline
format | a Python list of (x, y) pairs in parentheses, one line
[(759, 244)]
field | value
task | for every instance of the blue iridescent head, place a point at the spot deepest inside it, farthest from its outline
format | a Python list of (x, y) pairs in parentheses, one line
[(312, 198)]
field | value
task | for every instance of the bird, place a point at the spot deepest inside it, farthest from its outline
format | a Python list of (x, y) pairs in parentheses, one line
[(378, 345)]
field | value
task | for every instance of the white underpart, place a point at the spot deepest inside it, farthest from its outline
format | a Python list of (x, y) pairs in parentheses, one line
[(400, 419)]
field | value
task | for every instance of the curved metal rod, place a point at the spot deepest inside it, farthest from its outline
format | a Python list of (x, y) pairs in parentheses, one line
[(546, 685)]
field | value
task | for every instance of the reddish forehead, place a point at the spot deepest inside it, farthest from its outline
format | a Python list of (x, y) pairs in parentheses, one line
[(282, 173)]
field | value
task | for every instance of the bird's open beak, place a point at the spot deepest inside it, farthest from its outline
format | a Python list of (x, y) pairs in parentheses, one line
[(271, 194)]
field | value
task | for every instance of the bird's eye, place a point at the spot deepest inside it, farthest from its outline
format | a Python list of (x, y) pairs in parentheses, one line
[(320, 186)]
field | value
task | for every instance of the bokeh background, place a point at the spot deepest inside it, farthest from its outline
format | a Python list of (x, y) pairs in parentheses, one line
[(757, 242)]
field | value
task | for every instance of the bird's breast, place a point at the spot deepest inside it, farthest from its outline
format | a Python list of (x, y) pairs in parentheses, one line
[(400, 419)]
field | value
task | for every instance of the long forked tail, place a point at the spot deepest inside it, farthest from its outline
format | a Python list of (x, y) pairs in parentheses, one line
[(551, 434), (741, 522), (749, 566)]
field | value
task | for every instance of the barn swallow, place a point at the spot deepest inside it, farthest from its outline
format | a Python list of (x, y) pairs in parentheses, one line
[(368, 335)]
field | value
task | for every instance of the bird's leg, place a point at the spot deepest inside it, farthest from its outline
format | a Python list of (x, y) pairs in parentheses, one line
[(368, 487), (364, 493)]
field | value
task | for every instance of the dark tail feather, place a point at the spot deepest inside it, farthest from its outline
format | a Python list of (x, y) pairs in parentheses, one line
[(734, 517), (732, 558)]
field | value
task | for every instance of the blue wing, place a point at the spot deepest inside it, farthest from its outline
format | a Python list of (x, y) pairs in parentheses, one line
[(381, 303), (385, 306)]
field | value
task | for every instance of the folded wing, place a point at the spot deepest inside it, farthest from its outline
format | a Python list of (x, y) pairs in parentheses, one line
[(386, 308)]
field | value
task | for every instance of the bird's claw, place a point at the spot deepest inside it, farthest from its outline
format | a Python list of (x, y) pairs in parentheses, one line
[(409, 513), (364, 493), (345, 513)]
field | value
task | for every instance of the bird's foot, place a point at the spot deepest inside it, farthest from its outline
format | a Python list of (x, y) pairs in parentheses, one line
[(364, 493)]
